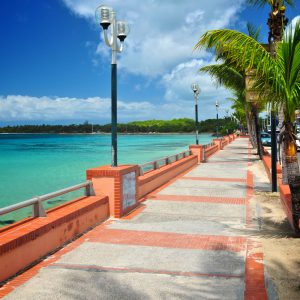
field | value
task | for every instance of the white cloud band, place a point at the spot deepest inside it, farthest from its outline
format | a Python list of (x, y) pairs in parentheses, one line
[(19, 109)]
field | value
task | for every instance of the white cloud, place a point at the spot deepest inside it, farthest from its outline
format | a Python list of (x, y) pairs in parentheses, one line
[(163, 33), (26, 109), (178, 82), (160, 46), (19, 109)]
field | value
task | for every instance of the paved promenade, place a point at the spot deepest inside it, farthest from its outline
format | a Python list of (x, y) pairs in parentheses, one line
[(192, 239)]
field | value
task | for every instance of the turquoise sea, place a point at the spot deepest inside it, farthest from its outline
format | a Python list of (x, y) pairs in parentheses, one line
[(36, 164)]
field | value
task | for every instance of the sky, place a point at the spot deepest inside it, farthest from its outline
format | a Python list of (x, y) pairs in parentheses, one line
[(55, 67)]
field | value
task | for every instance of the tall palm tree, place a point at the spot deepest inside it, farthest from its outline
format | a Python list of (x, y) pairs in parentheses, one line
[(239, 110), (276, 23), (278, 79), (235, 81)]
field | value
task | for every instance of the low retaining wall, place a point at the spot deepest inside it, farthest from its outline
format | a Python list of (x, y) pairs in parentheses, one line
[(267, 161), (119, 183), (218, 142), (245, 136), (26, 242), (198, 151), (225, 142), (286, 201), (211, 150), (284, 190), (156, 178)]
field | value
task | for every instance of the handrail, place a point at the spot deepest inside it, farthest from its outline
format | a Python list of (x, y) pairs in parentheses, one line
[(155, 164), (38, 210), (204, 147), (208, 145)]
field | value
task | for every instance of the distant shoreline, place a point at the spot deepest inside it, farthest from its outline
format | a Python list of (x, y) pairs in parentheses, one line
[(106, 133)]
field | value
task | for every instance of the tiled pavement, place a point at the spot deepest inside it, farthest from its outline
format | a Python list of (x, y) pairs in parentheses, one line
[(191, 240)]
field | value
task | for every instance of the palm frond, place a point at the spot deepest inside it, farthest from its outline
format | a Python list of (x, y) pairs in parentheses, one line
[(289, 63), (227, 76), (280, 84), (261, 3), (253, 31), (242, 51)]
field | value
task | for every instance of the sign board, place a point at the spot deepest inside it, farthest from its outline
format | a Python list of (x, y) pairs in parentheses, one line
[(129, 190), (251, 94)]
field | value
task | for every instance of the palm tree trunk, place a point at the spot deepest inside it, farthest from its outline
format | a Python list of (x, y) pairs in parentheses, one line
[(253, 131), (257, 131), (294, 184), (290, 170), (249, 127), (280, 125)]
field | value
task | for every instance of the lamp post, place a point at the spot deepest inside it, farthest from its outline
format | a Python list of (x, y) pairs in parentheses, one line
[(196, 90), (276, 23), (217, 109), (119, 30)]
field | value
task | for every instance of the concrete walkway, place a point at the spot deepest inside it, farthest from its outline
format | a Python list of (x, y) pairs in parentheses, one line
[(192, 239)]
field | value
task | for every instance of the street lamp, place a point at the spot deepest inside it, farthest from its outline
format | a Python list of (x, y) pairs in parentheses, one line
[(196, 90), (119, 30), (217, 109)]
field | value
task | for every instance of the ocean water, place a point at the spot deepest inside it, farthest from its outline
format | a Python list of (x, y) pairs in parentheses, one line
[(36, 164)]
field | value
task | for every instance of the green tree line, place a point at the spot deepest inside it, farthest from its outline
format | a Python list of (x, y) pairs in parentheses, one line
[(184, 125)]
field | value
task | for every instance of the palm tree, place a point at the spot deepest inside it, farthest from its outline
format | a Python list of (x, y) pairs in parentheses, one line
[(276, 23), (239, 110), (278, 80), (234, 80)]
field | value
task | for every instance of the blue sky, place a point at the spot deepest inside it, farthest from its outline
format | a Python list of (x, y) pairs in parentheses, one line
[(55, 68)]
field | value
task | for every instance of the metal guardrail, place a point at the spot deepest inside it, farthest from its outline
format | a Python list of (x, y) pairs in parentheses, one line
[(156, 164), (38, 209), (204, 148), (208, 145)]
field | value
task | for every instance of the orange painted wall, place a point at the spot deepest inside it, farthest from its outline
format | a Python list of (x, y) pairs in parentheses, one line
[(27, 242), (285, 193), (154, 179), (267, 164), (108, 180), (218, 142), (197, 150), (105, 186), (211, 150)]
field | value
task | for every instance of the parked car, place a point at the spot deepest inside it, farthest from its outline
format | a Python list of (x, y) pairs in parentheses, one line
[(298, 141), (298, 145), (265, 139)]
